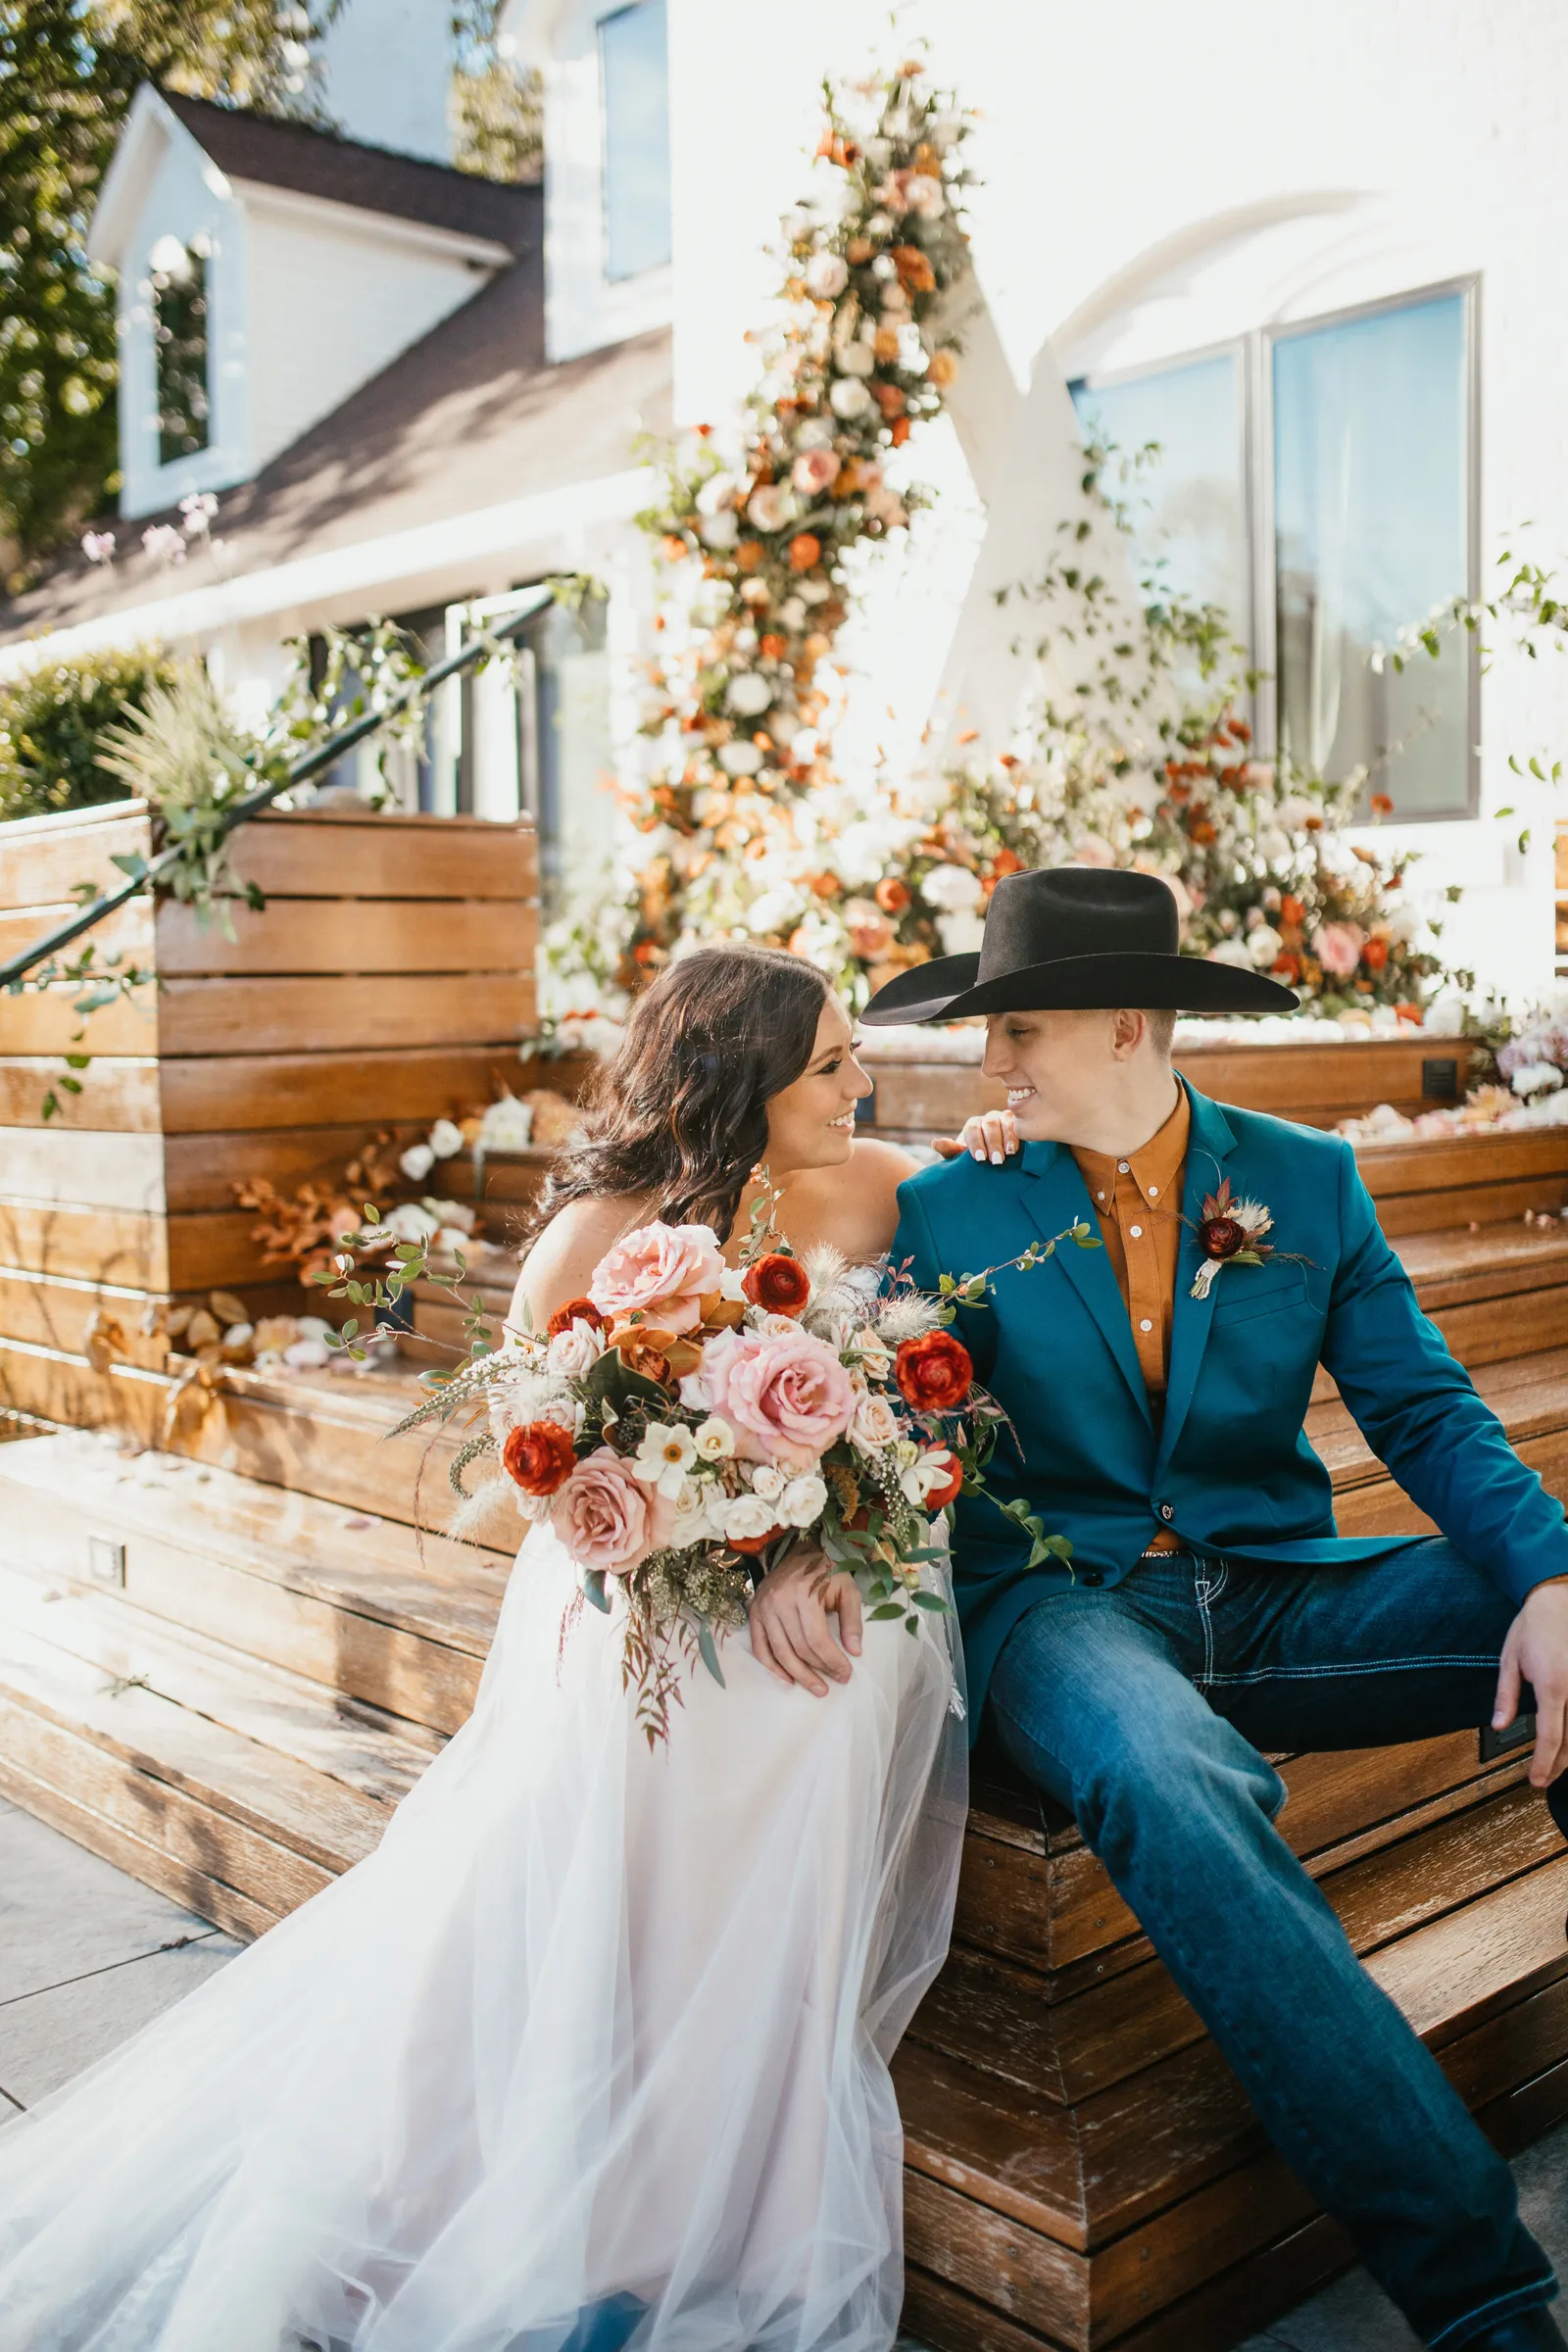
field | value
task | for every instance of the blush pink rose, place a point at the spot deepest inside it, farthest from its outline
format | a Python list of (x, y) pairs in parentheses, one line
[(814, 471), (658, 1272), (1338, 948), (601, 1514), (786, 1397)]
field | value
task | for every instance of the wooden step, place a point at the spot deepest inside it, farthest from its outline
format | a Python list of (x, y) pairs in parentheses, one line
[(1079, 2223), (359, 1605)]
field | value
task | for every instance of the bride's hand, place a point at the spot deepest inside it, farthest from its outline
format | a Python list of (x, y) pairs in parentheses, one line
[(990, 1135), (789, 1622)]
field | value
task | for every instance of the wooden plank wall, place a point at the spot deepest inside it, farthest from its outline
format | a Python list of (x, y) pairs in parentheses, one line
[(388, 982)]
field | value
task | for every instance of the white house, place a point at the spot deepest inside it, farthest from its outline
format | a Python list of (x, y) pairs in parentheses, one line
[(1308, 253)]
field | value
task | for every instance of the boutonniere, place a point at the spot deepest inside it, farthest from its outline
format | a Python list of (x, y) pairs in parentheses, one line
[(1231, 1233)]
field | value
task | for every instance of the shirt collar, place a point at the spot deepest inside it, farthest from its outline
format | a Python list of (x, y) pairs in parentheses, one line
[(1154, 1167)]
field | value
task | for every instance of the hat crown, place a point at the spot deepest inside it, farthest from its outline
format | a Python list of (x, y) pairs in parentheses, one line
[(1069, 911)]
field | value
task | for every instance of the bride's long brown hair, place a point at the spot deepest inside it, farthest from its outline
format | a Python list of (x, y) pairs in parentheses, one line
[(678, 1116)]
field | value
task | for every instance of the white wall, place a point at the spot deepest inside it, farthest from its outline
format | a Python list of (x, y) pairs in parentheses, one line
[(386, 75), (1154, 178), (331, 299)]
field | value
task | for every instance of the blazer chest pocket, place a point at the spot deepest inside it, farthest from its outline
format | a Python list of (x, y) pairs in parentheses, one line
[(1257, 1290)]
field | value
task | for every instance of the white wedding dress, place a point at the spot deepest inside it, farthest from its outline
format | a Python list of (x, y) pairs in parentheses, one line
[(591, 2053)]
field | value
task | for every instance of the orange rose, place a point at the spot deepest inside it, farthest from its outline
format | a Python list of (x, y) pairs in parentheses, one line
[(575, 1310), (540, 1456), (777, 1283), (1375, 955), (934, 1372), (1287, 968), (914, 269), (892, 894), (806, 549), (901, 431)]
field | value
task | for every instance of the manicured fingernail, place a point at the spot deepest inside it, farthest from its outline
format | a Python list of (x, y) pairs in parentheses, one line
[(977, 1154), (995, 1159)]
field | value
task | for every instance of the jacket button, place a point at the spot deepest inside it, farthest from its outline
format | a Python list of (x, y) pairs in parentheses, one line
[(1091, 1576), (1167, 1511)]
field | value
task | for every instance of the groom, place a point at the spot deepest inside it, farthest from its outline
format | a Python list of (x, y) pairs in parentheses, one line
[(1212, 1613)]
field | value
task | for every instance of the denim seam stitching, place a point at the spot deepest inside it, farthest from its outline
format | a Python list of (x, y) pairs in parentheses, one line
[(1269, 1674), (1503, 2304)]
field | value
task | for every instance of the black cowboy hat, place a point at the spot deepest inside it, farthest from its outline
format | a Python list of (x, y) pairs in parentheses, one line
[(1076, 937)]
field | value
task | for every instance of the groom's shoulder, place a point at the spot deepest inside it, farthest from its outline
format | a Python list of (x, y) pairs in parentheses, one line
[(944, 1183), (1311, 1151)]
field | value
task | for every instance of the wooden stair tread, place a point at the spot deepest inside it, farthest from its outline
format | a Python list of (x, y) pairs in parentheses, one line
[(377, 1757), (1082, 2174), (1451, 1263), (377, 1568), (1529, 1393)]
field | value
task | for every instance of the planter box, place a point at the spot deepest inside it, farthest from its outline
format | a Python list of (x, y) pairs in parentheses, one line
[(388, 982)]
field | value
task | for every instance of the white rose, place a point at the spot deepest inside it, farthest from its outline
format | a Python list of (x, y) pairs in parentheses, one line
[(875, 1425), (507, 1125), (1232, 951), (951, 890), (859, 359), (826, 275), (713, 1440), (740, 759), (876, 1361), (574, 1352), (749, 1517), (716, 493), (445, 1139), (1273, 843), (719, 531), (923, 195), (1536, 1078), (408, 1222), (417, 1162), (803, 1500), (778, 1327), (850, 399), (769, 1482), (692, 1515), (749, 694), (962, 934), (1266, 945), (812, 432)]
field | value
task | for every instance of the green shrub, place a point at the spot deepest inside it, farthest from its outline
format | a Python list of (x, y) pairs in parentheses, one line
[(51, 719)]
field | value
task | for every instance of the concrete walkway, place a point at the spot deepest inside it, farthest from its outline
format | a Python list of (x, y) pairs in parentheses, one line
[(87, 1955)]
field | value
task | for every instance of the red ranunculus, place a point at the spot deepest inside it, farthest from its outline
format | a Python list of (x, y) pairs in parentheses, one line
[(1221, 1236), (941, 1496), (934, 1372), (777, 1283), (540, 1456), (575, 1310)]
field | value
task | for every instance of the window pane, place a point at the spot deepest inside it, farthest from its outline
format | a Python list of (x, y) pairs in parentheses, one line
[(1371, 531), (1189, 505), (635, 74), (566, 752), (179, 332)]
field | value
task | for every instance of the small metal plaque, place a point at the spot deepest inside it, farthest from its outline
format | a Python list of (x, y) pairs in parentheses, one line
[(1439, 1080), (106, 1560), (1519, 1734)]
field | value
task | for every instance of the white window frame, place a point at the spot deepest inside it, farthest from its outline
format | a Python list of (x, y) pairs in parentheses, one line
[(1253, 352)]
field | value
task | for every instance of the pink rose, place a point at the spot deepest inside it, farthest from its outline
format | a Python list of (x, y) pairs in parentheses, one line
[(787, 1397), (814, 471), (659, 1272), (1338, 948), (601, 1514)]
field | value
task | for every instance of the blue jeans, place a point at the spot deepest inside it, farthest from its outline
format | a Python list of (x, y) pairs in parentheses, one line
[(1137, 1705)]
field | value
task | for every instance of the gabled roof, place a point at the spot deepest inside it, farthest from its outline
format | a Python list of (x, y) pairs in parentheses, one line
[(317, 163)]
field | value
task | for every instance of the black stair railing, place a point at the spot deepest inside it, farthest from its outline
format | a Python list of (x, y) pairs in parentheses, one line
[(312, 764)]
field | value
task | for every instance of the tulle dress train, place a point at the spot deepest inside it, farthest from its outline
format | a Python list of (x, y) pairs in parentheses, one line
[(591, 2053)]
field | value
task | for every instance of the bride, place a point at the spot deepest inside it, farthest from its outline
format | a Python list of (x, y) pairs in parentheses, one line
[(592, 2052)]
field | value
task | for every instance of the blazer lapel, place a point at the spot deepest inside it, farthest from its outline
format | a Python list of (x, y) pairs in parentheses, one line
[(1210, 1139), (1054, 1196)]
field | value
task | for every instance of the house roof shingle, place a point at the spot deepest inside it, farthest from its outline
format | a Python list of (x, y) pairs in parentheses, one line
[(318, 163)]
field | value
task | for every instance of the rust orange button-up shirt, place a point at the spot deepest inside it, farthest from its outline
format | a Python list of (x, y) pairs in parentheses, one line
[(1138, 1203)]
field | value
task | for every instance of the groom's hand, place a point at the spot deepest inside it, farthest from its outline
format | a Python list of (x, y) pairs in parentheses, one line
[(789, 1622), (1536, 1652)]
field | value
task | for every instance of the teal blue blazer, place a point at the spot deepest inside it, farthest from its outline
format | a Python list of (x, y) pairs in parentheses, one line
[(1227, 1468)]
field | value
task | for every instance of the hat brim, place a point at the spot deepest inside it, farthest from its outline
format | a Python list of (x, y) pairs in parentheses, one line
[(949, 989)]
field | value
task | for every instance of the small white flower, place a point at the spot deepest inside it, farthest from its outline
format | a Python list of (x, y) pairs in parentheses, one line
[(875, 1425), (850, 398), (748, 1517), (857, 359), (1265, 943), (665, 1456), (924, 195), (952, 889), (749, 694), (719, 531), (417, 1162), (507, 1126), (769, 1482), (574, 1352), (1536, 1078), (826, 276), (921, 1478), (803, 1500), (410, 1222), (740, 759), (717, 494), (445, 1139), (771, 506), (713, 1440)]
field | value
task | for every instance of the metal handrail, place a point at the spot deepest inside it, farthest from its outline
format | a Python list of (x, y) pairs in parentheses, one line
[(300, 771)]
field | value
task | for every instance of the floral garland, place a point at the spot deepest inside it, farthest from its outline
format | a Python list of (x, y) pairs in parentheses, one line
[(741, 826)]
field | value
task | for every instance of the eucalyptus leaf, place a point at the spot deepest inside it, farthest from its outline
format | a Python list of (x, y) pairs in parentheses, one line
[(593, 1585)]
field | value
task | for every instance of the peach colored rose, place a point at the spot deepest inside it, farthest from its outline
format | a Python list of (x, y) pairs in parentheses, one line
[(1338, 948), (660, 1271), (787, 1397), (814, 471), (601, 1514)]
